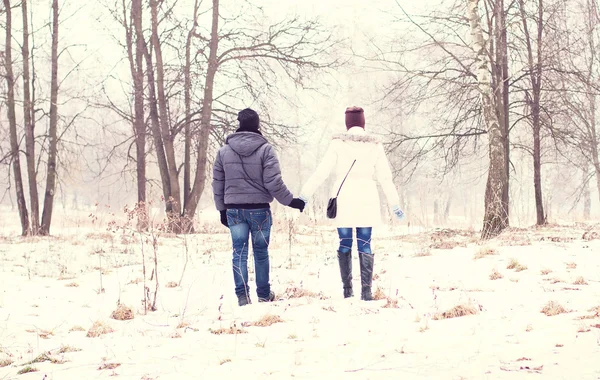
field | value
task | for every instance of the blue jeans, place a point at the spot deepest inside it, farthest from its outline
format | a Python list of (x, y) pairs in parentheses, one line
[(363, 239), (242, 224)]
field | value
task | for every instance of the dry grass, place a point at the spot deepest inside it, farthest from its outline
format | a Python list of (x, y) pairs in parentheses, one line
[(514, 264), (571, 265), (99, 328), (122, 313), (546, 271), (229, 331), (267, 320), (224, 361), (45, 357), (171, 284), (553, 308), (76, 328), (5, 362), (72, 285), (44, 334), (104, 236), (66, 349), (580, 281), (379, 294), (391, 303), (484, 252), (109, 366), (423, 252), (27, 369), (457, 311), (583, 328), (295, 292), (495, 275)]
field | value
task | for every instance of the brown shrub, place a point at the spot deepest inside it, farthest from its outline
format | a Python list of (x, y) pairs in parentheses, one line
[(495, 275), (266, 320), (553, 308), (99, 328), (122, 313)]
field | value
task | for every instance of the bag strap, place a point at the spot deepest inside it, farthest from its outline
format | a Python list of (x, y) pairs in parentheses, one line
[(338, 193)]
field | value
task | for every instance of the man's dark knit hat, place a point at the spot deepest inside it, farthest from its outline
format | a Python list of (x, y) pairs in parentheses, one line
[(248, 119), (355, 117)]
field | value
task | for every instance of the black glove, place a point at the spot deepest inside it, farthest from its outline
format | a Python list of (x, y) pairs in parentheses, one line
[(224, 218), (298, 204)]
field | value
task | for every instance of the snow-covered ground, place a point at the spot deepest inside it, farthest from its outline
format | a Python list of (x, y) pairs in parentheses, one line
[(53, 290)]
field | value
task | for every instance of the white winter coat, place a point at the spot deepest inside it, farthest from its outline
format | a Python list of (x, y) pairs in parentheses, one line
[(358, 202)]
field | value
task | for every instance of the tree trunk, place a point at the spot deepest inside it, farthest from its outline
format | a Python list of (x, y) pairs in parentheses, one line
[(167, 137), (587, 196), (53, 137), (495, 215), (535, 74), (505, 121), (139, 125), (154, 119), (187, 172), (28, 117), (205, 119), (12, 121)]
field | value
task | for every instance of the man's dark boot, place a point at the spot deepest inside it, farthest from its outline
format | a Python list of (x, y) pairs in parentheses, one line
[(366, 275), (345, 260), (244, 300)]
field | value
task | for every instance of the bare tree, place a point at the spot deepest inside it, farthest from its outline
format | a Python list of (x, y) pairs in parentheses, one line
[(494, 219), (12, 120), (29, 119), (53, 128), (535, 70)]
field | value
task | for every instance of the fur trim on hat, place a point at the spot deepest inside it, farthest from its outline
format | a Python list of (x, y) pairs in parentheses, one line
[(358, 138)]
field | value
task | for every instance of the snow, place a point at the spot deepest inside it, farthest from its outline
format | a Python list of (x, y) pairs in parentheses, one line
[(325, 335)]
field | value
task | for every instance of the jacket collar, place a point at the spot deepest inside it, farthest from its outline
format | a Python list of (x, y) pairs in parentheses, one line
[(357, 134)]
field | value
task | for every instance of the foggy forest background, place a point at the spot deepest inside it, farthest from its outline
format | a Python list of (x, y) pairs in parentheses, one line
[(488, 108)]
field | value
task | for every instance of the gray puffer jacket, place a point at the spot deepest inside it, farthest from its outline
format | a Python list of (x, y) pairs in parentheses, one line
[(246, 171)]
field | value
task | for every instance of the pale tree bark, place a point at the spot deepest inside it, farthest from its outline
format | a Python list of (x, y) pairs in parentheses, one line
[(501, 83), (12, 121), (535, 68), (495, 209), (205, 118), (53, 128), (29, 117)]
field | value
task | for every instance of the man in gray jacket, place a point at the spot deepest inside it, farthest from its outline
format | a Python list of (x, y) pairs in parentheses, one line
[(246, 178)]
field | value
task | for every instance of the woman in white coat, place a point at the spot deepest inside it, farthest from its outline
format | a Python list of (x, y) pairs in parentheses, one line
[(359, 158)]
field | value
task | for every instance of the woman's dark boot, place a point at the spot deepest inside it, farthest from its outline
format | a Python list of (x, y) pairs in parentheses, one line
[(345, 260), (366, 275)]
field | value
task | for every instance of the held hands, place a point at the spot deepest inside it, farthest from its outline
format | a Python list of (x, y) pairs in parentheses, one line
[(398, 212), (224, 218), (297, 203)]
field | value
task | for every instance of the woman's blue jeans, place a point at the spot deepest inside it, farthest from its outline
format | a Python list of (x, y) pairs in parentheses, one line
[(363, 239), (242, 225)]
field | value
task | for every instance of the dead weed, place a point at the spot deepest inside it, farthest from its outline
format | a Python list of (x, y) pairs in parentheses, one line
[(457, 311), (553, 308), (122, 313), (99, 328)]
